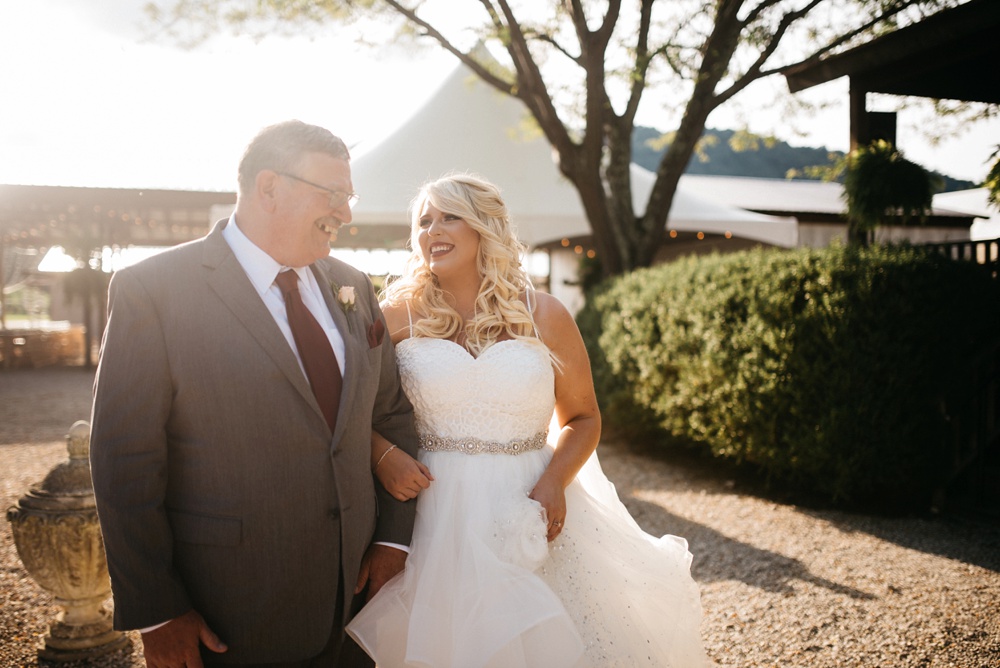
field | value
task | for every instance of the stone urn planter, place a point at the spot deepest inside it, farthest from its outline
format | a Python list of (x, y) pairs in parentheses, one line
[(58, 538)]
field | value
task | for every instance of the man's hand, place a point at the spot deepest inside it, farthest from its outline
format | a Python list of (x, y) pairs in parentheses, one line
[(380, 564), (176, 643)]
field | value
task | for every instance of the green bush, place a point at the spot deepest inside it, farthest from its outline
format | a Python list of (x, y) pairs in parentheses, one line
[(830, 370)]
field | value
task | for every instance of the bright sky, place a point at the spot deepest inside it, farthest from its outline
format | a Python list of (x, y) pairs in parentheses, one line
[(86, 102)]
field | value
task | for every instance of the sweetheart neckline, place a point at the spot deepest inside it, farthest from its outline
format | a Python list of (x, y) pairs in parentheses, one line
[(465, 350)]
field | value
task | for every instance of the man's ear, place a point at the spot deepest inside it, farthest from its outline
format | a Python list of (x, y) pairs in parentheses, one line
[(265, 188)]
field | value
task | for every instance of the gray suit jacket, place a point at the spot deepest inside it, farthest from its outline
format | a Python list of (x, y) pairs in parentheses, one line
[(219, 485)]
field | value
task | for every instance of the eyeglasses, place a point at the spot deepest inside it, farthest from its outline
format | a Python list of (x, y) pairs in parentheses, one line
[(337, 197)]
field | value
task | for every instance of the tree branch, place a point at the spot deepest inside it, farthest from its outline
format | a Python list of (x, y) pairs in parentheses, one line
[(846, 37), (758, 10), (579, 19), (551, 41), (610, 21), (754, 71), (432, 32), (642, 61), (532, 89), (492, 11)]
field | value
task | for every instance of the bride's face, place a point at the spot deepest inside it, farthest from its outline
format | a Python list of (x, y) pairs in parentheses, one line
[(448, 244)]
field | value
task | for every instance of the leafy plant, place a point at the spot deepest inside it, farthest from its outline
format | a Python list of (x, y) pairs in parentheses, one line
[(837, 371), (881, 185)]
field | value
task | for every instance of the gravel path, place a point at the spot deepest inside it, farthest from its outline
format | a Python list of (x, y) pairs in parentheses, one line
[(781, 585)]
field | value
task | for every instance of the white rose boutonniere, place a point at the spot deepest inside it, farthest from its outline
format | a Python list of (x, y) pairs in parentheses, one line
[(345, 296)]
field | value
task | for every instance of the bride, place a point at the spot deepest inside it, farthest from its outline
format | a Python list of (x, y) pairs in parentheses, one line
[(522, 553)]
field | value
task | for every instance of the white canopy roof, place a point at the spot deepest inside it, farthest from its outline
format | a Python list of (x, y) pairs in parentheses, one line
[(468, 127)]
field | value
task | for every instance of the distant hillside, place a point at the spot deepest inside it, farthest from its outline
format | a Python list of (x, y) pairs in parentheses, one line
[(765, 160)]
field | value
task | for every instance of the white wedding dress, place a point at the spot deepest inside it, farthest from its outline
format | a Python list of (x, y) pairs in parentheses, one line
[(482, 587)]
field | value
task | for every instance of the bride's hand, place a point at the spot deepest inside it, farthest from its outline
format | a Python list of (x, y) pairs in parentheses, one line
[(402, 475), (553, 499)]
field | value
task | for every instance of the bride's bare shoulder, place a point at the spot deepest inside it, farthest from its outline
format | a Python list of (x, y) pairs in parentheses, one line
[(553, 321), (546, 307)]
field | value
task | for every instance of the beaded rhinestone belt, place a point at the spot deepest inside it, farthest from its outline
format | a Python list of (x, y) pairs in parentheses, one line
[(474, 446)]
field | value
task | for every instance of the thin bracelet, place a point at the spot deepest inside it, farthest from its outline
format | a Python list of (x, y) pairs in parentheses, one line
[(391, 448)]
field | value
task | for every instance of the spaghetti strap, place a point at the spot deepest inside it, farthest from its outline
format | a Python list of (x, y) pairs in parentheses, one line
[(409, 316), (531, 312)]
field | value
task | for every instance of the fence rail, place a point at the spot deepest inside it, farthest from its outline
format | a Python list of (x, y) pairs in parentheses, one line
[(974, 442), (975, 438), (985, 252)]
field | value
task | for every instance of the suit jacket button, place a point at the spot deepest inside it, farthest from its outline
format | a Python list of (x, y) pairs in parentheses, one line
[(335, 514)]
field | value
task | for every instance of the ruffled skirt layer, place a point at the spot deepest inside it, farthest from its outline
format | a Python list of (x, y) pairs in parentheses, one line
[(483, 588)]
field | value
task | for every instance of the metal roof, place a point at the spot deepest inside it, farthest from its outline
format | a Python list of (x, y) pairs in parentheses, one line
[(784, 196), (45, 215)]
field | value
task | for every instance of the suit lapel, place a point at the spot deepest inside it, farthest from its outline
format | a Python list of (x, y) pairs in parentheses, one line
[(228, 280), (347, 324)]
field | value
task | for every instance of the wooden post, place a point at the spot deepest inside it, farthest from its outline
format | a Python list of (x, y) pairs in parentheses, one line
[(860, 132)]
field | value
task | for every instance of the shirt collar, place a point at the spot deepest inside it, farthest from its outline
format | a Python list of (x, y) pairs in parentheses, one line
[(260, 267)]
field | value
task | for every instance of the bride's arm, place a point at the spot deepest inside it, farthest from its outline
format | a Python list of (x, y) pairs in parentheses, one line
[(576, 411), (401, 475)]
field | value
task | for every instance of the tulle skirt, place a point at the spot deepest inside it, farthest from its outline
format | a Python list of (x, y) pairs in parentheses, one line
[(483, 588)]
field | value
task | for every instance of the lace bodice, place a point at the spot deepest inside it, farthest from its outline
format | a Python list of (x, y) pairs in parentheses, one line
[(505, 394)]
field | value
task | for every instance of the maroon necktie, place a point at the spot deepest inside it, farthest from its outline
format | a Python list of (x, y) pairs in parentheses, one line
[(315, 351)]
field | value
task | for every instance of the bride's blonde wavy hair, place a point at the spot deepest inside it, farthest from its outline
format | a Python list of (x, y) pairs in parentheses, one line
[(499, 311)]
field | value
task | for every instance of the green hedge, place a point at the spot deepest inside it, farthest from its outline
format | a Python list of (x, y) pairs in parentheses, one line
[(830, 370)]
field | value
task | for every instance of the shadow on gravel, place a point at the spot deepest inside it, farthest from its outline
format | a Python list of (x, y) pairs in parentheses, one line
[(718, 557), (970, 539)]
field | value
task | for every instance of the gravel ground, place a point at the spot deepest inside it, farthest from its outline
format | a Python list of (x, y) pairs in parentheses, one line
[(781, 585)]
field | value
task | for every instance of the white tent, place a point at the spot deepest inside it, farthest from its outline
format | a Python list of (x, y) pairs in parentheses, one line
[(467, 126)]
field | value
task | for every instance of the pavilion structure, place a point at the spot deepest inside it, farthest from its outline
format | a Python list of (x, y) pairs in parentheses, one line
[(952, 55), (84, 221)]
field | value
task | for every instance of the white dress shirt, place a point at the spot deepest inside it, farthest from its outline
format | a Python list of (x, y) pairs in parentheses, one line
[(262, 269)]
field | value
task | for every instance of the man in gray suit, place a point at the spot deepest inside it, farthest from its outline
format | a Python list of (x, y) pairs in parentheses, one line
[(238, 516)]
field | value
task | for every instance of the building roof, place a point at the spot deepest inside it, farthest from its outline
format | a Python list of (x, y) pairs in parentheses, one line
[(763, 194), (974, 202), (792, 197), (952, 54), (45, 215)]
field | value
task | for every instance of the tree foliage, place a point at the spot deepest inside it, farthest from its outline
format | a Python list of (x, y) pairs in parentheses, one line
[(992, 182), (881, 185), (583, 67)]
